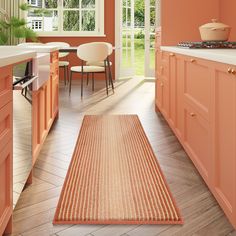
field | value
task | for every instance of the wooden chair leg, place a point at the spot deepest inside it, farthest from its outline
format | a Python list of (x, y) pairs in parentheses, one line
[(93, 81), (70, 82)]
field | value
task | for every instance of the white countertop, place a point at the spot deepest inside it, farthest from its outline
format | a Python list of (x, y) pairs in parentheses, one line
[(9, 55), (227, 56), (39, 48)]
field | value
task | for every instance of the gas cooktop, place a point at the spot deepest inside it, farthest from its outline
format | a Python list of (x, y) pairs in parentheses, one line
[(208, 45)]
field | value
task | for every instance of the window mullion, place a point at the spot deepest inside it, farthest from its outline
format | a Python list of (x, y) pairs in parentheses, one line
[(80, 15), (60, 16)]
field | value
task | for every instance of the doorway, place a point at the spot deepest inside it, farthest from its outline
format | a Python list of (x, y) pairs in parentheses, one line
[(136, 21)]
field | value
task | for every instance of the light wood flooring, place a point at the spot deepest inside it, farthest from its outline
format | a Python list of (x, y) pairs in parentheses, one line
[(35, 210)]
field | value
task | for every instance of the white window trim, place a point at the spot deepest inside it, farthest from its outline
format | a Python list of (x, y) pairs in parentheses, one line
[(34, 5), (100, 18)]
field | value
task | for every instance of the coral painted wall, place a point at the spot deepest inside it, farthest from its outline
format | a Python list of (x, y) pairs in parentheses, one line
[(181, 19), (228, 15), (75, 41)]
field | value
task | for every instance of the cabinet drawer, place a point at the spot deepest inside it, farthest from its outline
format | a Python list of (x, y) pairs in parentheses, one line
[(197, 84), (5, 125), (5, 186), (197, 140), (5, 85)]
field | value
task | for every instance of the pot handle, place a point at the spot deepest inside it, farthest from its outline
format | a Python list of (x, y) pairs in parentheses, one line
[(214, 29)]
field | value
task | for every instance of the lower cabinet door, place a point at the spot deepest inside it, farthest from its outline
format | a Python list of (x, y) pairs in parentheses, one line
[(225, 140), (172, 90), (6, 176), (197, 141), (42, 113), (48, 105), (159, 93), (39, 120), (165, 98), (55, 93)]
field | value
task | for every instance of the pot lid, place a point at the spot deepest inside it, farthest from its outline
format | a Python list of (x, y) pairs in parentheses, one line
[(215, 24)]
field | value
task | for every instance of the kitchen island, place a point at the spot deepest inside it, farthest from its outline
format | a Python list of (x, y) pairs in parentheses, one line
[(196, 93), (44, 112)]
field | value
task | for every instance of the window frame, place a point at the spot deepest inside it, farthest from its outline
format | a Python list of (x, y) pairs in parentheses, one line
[(35, 4), (99, 23)]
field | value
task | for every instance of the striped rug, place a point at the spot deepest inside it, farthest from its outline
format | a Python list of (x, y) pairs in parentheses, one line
[(114, 177)]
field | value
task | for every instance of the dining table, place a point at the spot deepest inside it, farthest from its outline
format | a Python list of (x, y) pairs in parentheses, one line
[(72, 49), (68, 49)]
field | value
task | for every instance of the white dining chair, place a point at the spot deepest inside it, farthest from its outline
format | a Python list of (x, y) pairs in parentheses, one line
[(101, 63), (63, 63), (91, 52)]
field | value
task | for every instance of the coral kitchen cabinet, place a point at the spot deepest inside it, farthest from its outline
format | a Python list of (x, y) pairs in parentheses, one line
[(6, 155), (202, 113), (163, 82), (45, 106)]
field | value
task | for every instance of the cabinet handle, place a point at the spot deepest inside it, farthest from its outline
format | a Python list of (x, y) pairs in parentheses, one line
[(162, 84), (193, 114), (172, 54), (233, 72), (193, 60), (229, 70)]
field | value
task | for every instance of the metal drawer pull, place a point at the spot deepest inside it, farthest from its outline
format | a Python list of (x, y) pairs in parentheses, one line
[(229, 70), (172, 54), (193, 114), (162, 84), (193, 60), (233, 72)]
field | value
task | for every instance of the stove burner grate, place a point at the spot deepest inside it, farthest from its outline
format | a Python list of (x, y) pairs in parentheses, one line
[(208, 45)]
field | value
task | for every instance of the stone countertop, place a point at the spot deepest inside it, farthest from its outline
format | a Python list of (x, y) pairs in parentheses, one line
[(10, 56), (227, 56)]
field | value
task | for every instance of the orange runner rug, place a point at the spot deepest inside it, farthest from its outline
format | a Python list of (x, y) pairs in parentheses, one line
[(114, 177)]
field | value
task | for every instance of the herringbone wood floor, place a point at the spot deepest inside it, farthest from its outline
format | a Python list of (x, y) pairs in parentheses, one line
[(35, 210)]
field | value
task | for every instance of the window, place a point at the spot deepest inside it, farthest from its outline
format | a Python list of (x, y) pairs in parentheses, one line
[(33, 3), (37, 25), (67, 17)]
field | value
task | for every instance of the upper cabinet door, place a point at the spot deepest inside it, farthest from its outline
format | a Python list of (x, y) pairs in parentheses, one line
[(224, 136)]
